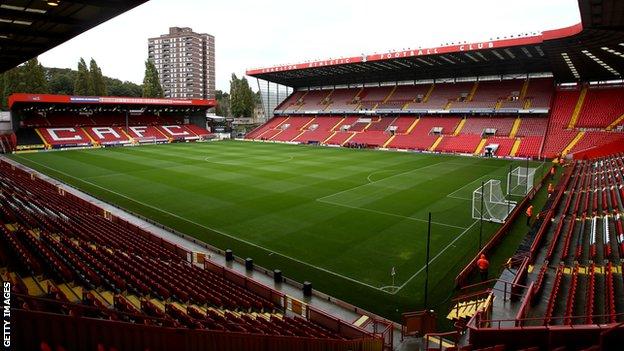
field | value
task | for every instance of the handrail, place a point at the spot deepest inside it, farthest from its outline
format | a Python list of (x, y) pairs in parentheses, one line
[(521, 314), (520, 273), (498, 322), (472, 295), (441, 337), (549, 215), (485, 282)]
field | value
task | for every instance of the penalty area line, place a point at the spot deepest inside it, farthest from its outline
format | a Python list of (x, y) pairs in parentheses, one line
[(380, 180), (434, 258), (389, 214)]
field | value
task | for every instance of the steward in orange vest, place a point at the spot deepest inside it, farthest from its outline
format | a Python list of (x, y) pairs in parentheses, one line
[(529, 214), (483, 264)]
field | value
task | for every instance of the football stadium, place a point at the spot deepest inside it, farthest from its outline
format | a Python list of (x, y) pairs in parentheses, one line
[(462, 197)]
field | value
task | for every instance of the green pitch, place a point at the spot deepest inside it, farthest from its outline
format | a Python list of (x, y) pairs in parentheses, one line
[(340, 218)]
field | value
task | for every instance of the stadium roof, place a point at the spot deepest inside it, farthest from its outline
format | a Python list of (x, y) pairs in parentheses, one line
[(29, 28), (48, 101), (589, 51)]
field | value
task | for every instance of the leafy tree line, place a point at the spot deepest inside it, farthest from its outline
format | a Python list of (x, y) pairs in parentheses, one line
[(32, 77), (239, 102), (29, 77), (62, 80)]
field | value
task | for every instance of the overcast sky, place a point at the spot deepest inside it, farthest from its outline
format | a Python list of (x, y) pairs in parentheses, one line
[(251, 34)]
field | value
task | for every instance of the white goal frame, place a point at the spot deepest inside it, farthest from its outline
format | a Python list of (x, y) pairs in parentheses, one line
[(489, 202), (520, 181)]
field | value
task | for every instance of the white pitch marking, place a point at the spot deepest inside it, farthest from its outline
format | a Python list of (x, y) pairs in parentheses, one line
[(261, 163), (377, 172), (435, 257), (206, 227), (382, 179), (389, 214), (271, 251)]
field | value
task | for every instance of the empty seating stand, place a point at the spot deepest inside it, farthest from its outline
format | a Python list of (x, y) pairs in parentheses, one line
[(601, 107), (558, 134), (478, 125), (83, 263), (579, 257), (318, 130), (563, 120), (422, 135), (62, 130), (535, 93), (292, 128), (466, 144)]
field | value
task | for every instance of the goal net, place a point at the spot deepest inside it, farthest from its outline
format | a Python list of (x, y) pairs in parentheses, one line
[(489, 203), (520, 181)]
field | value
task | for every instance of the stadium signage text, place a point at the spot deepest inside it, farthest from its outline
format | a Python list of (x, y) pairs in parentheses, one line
[(102, 131), (127, 100), (534, 38), (180, 130), (435, 51), (107, 135), (64, 134), (314, 64), (376, 57)]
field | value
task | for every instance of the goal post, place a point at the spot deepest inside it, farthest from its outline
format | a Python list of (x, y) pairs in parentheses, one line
[(489, 202), (520, 181)]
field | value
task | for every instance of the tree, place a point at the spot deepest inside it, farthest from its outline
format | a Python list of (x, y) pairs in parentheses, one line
[(81, 83), (97, 86), (27, 78), (151, 83), (32, 77), (9, 85), (61, 80), (242, 98), (9, 81), (119, 88), (223, 104)]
